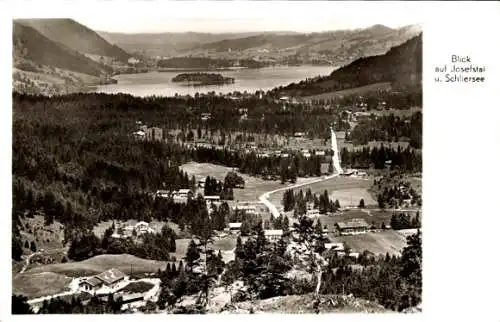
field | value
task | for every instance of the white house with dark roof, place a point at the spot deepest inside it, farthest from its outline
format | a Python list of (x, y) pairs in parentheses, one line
[(353, 227), (273, 234), (104, 283)]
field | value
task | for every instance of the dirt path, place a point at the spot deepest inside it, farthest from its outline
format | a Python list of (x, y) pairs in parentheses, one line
[(27, 262)]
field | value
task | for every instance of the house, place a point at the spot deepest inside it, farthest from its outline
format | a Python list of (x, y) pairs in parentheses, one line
[(312, 213), (183, 192), (338, 247), (273, 234), (162, 193), (90, 284), (140, 135), (142, 227), (319, 152), (104, 283), (234, 227), (299, 134), (211, 198), (180, 199), (246, 208), (355, 226)]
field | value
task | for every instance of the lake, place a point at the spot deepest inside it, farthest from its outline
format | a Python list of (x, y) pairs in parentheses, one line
[(250, 80)]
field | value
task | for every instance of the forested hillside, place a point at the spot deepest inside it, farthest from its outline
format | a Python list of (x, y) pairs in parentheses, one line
[(76, 36), (31, 46), (401, 66)]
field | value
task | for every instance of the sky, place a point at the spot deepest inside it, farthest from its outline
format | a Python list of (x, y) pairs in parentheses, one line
[(147, 16)]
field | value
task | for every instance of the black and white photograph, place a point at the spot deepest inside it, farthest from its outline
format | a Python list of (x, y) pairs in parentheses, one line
[(184, 159), (196, 169)]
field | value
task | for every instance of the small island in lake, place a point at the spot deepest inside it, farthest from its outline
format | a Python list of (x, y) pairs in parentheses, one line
[(203, 79)]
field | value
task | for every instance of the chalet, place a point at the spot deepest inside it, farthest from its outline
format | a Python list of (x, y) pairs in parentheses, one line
[(246, 208), (201, 183), (299, 134), (104, 283), (273, 234), (142, 227), (338, 247), (162, 193), (319, 152), (355, 226)]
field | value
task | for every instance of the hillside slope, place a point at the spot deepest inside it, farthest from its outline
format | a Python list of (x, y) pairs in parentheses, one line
[(29, 45), (75, 36), (304, 304), (401, 66)]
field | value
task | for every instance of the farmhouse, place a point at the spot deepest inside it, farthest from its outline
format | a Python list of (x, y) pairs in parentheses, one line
[(273, 234), (312, 212), (104, 283), (162, 193), (355, 226), (234, 227)]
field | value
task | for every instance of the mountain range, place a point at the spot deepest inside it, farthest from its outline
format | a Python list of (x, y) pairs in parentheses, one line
[(62, 55), (334, 47)]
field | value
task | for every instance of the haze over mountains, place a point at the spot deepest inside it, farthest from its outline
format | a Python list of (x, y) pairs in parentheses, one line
[(340, 44), (62, 55)]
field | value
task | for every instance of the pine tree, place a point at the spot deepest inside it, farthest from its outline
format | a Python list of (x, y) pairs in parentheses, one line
[(361, 203), (238, 252), (33, 246)]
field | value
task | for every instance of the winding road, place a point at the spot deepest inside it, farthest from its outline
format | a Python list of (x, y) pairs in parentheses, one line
[(264, 198)]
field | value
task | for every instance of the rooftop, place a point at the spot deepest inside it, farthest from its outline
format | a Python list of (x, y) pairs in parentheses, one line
[(234, 225), (93, 281), (355, 223), (111, 276), (273, 232)]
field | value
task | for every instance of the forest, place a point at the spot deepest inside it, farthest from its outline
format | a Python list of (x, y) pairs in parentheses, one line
[(75, 160)]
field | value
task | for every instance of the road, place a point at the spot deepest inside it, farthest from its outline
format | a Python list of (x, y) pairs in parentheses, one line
[(264, 198), (27, 262)]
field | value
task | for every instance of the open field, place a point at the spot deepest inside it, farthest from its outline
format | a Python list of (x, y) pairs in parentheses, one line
[(378, 243), (371, 216), (254, 186), (358, 90), (98, 264), (225, 245), (342, 188), (33, 285)]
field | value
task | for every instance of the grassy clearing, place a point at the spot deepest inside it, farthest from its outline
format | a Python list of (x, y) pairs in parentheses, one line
[(342, 188), (376, 217), (379, 243), (98, 264), (254, 187), (138, 287), (35, 285)]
